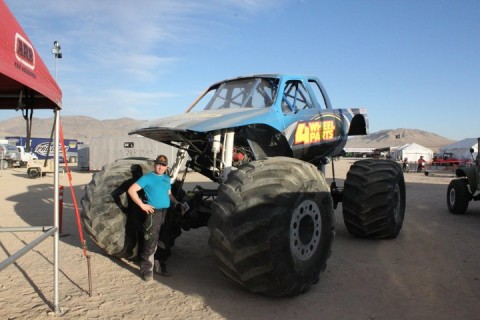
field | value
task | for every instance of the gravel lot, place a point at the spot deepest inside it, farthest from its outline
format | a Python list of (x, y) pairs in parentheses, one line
[(431, 271)]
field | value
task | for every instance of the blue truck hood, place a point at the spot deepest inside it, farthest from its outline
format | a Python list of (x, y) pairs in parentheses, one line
[(210, 120)]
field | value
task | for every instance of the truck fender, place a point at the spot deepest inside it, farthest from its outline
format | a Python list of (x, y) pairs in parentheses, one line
[(358, 126), (471, 174)]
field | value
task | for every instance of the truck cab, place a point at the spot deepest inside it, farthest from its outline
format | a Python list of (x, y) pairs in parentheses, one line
[(9, 156), (25, 156), (260, 116)]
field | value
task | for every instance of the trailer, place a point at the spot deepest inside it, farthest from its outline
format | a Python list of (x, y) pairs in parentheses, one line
[(39, 168), (44, 148), (107, 149)]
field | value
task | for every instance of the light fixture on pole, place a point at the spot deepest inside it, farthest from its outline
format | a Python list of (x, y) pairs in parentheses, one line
[(57, 53)]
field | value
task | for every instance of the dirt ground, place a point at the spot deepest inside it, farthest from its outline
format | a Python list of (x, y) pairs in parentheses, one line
[(431, 271)]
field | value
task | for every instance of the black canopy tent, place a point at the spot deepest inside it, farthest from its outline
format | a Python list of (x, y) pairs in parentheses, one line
[(26, 85)]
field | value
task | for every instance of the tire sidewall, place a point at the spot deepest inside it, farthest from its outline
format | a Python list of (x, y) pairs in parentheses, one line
[(121, 239), (303, 267), (457, 196), (399, 190), (251, 226), (452, 196), (33, 173), (383, 181)]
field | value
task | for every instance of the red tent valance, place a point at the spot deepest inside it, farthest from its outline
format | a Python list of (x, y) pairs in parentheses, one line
[(25, 81)]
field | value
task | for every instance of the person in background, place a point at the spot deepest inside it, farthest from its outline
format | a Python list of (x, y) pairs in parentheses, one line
[(421, 164), (156, 185), (405, 165), (376, 154)]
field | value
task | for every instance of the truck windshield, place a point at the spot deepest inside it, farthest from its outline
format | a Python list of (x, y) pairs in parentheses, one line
[(242, 93)]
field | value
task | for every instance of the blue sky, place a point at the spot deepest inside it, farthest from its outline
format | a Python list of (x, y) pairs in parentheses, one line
[(412, 64)]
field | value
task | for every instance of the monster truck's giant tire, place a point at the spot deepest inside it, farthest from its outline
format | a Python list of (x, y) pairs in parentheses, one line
[(272, 226), (110, 217), (374, 199), (458, 196)]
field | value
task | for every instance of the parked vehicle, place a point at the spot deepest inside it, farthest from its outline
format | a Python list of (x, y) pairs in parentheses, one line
[(44, 147), (9, 156), (466, 187), (265, 139), (38, 168), (445, 159), (25, 156), (106, 149)]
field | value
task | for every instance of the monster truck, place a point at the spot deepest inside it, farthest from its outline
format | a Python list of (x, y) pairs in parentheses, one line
[(265, 140)]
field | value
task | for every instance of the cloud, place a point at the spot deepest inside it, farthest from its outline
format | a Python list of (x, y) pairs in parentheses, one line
[(116, 54), (116, 103)]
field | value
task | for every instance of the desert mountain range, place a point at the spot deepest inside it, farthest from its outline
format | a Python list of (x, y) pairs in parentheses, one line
[(85, 128), (82, 128), (400, 137)]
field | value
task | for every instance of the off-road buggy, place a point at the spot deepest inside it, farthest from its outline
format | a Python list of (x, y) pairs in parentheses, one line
[(265, 139), (466, 187), (446, 159)]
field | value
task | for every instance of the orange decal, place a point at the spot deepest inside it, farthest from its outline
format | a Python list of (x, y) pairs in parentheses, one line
[(314, 131)]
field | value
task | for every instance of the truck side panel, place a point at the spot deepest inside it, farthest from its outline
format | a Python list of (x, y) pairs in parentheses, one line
[(105, 150), (40, 146)]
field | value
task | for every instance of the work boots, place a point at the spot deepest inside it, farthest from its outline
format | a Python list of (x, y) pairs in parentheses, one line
[(161, 269)]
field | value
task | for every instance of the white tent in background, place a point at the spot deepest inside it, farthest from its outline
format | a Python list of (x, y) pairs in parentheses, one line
[(461, 149), (413, 151)]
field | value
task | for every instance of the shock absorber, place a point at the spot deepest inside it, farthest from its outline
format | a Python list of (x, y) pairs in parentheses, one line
[(216, 147), (228, 154)]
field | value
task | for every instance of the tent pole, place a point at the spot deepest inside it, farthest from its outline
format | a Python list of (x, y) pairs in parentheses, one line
[(56, 212)]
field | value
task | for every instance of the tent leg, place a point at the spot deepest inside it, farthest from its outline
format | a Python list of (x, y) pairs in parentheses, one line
[(56, 214)]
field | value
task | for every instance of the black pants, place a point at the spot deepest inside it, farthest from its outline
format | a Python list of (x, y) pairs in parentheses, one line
[(151, 227), (165, 240)]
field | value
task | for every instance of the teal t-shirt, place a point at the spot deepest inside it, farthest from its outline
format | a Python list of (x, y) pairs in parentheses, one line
[(156, 189)]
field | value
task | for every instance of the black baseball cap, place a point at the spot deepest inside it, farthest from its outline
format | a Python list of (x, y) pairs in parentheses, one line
[(161, 159)]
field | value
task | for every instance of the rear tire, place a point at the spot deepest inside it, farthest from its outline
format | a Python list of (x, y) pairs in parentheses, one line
[(272, 226), (458, 196), (110, 217), (374, 199)]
